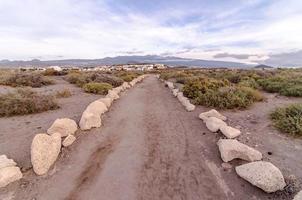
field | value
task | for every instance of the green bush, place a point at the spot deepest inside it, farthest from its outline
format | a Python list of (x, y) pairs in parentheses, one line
[(63, 93), (26, 79), (97, 88), (25, 101), (80, 78), (229, 97), (288, 119)]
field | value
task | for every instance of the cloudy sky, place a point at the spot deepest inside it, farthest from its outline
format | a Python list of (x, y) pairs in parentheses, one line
[(250, 31)]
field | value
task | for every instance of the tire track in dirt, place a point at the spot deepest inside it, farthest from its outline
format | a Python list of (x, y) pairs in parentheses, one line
[(93, 168), (173, 167)]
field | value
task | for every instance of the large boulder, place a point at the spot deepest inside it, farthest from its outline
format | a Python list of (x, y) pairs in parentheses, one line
[(211, 113), (5, 162), (112, 94), (64, 126), (90, 120), (298, 196), (214, 124), (230, 132), (44, 152), (231, 149), (263, 175), (68, 140), (97, 107), (9, 175), (107, 101)]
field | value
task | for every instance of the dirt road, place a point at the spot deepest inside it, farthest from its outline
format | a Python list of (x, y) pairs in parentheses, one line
[(148, 148)]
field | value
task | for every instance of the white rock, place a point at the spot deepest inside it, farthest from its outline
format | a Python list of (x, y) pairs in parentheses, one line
[(112, 94), (118, 90), (126, 85), (175, 92), (90, 120), (214, 124), (68, 140), (107, 101), (44, 152), (231, 149), (5, 162), (170, 85), (97, 107), (230, 132), (263, 175), (211, 113), (9, 175), (298, 196), (189, 107), (64, 126)]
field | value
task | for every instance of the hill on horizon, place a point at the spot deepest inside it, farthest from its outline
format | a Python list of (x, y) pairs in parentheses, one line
[(171, 61)]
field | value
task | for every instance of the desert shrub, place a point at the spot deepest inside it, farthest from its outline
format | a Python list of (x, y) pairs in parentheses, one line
[(97, 88), (52, 72), (26, 79), (25, 101), (127, 76), (106, 78), (229, 97), (288, 119), (63, 93), (249, 82), (80, 79)]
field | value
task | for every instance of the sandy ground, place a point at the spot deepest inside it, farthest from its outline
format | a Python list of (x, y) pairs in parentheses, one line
[(151, 148)]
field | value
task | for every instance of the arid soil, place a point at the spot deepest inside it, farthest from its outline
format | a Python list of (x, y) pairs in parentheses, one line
[(149, 147), (16, 133)]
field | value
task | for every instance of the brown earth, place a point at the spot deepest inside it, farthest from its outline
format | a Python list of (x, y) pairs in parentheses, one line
[(151, 148)]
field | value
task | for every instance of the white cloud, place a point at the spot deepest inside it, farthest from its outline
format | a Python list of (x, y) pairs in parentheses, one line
[(91, 29)]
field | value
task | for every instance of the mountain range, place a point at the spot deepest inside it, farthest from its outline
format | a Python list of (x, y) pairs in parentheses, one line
[(171, 61)]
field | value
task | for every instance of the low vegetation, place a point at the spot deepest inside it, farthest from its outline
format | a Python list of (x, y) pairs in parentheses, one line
[(63, 93), (52, 72), (289, 119), (127, 76), (25, 101), (97, 88), (220, 94), (82, 78), (21, 79)]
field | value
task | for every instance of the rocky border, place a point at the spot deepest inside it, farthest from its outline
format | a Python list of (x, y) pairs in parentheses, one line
[(46, 147), (257, 172)]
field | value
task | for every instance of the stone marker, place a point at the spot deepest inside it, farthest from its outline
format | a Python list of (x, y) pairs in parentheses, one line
[(68, 140), (214, 124), (44, 152), (5, 162), (230, 132), (97, 107), (90, 120), (231, 149), (64, 126), (9, 175), (211, 113), (107, 101), (263, 175)]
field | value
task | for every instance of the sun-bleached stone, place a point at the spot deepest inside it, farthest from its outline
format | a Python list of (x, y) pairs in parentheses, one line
[(214, 124), (298, 196), (5, 162), (230, 132), (211, 113), (68, 140), (175, 92), (97, 107), (112, 94), (90, 120), (107, 101), (231, 149), (64, 126), (263, 175), (44, 152), (9, 175)]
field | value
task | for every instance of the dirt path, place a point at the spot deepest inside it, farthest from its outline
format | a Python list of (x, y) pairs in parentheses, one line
[(148, 148)]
